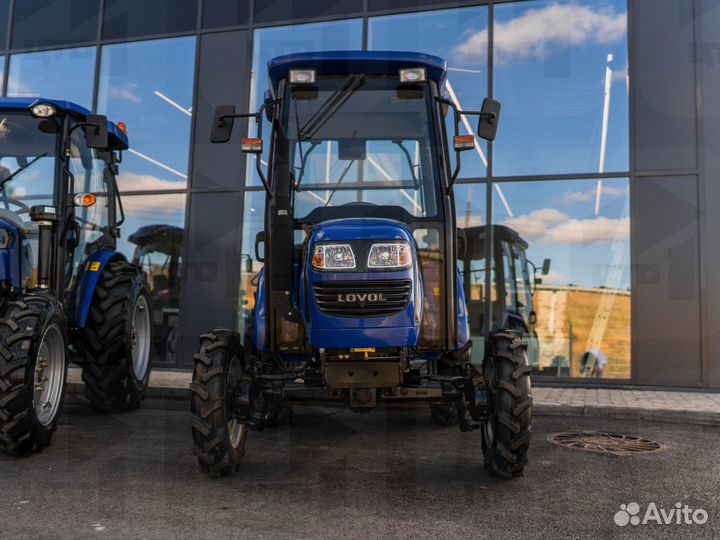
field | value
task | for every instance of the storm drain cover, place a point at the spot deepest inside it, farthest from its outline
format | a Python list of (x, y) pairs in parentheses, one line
[(606, 443)]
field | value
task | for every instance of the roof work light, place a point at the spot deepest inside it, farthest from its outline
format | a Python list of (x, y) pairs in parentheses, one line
[(302, 76), (412, 75)]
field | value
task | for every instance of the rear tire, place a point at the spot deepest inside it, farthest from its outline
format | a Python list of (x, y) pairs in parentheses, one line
[(218, 439), (506, 436), (116, 340), (33, 373)]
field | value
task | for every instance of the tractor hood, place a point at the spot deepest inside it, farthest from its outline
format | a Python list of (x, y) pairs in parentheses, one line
[(359, 229), (361, 306)]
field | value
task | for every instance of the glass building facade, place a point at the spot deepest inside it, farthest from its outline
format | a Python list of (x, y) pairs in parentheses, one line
[(579, 169)]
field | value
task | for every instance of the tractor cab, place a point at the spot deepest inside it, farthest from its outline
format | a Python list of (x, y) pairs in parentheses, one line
[(360, 299)]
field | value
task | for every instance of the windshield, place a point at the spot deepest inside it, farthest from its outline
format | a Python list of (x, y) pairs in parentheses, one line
[(375, 146), (27, 163)]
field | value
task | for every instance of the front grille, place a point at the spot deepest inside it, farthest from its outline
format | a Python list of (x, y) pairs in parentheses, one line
[(362, 298)]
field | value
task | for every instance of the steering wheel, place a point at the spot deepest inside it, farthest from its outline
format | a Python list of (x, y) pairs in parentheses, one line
[(24, 208)]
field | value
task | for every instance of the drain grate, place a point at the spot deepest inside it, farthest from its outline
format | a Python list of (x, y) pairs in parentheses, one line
[(606, 443)]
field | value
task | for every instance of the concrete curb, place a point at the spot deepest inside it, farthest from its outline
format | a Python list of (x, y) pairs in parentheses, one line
[(175, 396)]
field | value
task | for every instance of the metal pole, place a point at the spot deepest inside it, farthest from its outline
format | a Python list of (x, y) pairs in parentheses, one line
[(603, 138)]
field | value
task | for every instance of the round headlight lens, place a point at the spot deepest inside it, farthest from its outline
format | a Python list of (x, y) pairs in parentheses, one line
[(43, 110)]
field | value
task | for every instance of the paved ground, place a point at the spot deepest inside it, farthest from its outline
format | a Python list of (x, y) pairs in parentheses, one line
[(336, 474), (168, 389)]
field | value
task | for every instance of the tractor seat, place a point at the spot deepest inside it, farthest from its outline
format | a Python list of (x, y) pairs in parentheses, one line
[(28, 228)]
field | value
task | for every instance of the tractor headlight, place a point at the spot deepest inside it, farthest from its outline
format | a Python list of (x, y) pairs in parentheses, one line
[(331, 256), (412, 75), (43, 110), (6, 239), (395, 255), (302, 76)]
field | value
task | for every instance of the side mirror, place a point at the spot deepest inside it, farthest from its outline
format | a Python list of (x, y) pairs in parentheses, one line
[(222, 125), (489, 119), (546, 267), (96, 132), (532, 318), (260, 239)]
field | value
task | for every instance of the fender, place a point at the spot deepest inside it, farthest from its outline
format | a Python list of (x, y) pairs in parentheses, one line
[(90, 272)]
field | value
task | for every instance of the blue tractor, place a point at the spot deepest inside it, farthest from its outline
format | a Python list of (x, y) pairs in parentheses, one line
[(360, 299), (64, 289)]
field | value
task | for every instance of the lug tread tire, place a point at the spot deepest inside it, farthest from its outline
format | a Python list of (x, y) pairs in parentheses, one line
[(209, 407), (110, 382), (513, 405), (21, 329)]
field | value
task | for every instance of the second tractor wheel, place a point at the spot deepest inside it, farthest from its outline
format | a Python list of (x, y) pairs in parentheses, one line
[(218, 438), (506, 436), (33, 372), (116, 341)]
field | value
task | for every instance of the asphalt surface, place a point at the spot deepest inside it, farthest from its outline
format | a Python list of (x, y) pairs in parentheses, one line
[(337, 474)]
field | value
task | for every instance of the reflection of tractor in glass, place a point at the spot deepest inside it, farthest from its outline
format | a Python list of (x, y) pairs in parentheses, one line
[(360, 299), (61, 279), (512, 288), (158, 252)]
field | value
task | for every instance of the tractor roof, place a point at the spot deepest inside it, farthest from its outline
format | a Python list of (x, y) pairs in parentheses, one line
[(118, 139), (499, 231), (349, 62)]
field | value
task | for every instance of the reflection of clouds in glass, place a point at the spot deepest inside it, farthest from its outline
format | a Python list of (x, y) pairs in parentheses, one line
[(17, 88), (550, 226), (533, 33), (147, 204), (126, 92), (570, 197)]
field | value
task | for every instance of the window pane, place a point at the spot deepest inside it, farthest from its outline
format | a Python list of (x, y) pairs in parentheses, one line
[(471, 216), (42, 23), (442, 33), (129, 18), (4, 15), (152, 236), (149, 86), (272, 42), (550, 71), (286, 10), (253, 223), (583, 302), (45, 74), (217, 13)]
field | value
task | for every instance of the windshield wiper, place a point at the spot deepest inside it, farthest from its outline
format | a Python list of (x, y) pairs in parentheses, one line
[(21, 169), (331, 106), (342, 177)]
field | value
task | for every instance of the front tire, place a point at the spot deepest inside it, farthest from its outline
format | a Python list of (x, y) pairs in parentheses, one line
[(116, 340), (218, 439), (33, 373), (506, 436)]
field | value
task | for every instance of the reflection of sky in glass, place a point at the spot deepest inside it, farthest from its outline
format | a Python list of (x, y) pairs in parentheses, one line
[(558, 220), (149, 86), (440, 33), (65, 74), (550, 64), (272, 42)]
